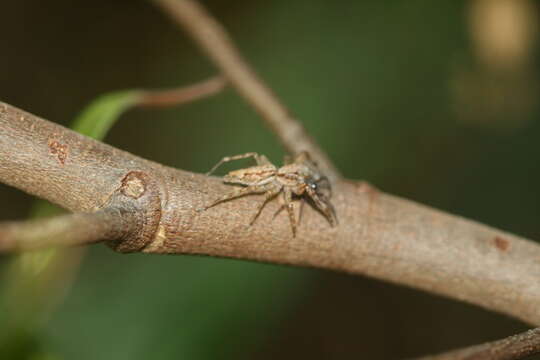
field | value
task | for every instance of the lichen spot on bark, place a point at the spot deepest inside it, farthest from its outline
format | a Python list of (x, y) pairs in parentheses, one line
[(133, 185), (59, 150), (501, 243)]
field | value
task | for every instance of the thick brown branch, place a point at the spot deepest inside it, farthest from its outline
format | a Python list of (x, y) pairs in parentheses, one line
[(511, 348), (379, 235), (214, 40), (67, 230)]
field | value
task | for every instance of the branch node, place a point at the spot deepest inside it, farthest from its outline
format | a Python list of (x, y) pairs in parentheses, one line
[(138, 193)]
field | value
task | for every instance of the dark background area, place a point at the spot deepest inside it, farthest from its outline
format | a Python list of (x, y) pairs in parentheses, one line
[(425, 99)]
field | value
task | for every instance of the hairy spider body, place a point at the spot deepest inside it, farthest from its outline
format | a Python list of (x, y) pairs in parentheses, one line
[(300, 178)]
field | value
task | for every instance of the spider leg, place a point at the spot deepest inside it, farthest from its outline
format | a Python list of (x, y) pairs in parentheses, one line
[(259, 159), (283, 206), (324, 206), (287, 196), (302, 202), (238, 192), (278, 211), (270, 194)]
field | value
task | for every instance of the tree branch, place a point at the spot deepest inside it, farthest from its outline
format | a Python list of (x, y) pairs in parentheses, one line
[(215, 41), (379, 235), (511, 348), (66, 230)]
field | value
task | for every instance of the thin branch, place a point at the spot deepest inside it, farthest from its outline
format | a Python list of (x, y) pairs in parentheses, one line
[(182, 95), (214, 40), (379, 235), (511, 348), (65, 230)]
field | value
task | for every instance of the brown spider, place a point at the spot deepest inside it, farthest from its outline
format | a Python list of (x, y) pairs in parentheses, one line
[(299, 177)]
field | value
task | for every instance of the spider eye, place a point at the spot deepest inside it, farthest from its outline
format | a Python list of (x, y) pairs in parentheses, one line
[(313, 186)]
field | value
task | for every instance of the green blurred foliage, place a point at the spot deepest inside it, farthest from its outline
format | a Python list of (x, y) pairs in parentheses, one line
[(98, 118), (371, 80)]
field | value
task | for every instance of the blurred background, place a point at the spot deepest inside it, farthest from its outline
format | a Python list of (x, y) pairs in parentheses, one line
[(435, 101)]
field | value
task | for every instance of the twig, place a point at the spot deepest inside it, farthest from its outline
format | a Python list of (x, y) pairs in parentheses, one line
[(65, 230), (511, 348), (181, 95), (214, 40), (379, 235)]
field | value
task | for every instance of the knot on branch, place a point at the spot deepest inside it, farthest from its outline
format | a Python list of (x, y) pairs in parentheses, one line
[(133, 185), (138, 194)]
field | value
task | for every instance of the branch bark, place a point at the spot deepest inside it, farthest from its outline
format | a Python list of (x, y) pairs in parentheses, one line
[(379, 235), (511, 348), (73, 229), (182, 95)]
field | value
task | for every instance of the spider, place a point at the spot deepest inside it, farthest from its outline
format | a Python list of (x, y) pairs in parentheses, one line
[(298, 177)]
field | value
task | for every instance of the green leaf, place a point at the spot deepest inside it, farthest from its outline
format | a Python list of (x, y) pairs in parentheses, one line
[(100, 115)]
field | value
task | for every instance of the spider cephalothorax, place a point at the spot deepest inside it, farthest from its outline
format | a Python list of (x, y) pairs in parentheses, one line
[(297, 178)]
